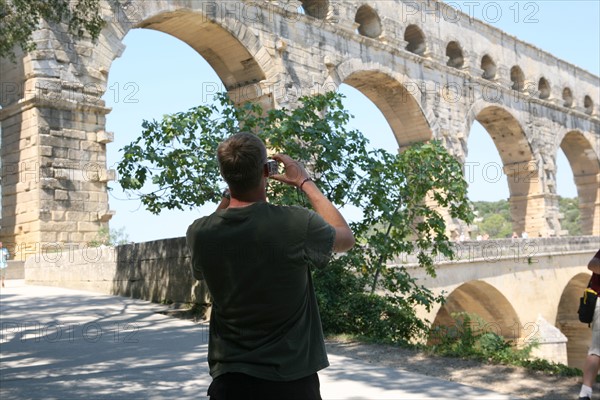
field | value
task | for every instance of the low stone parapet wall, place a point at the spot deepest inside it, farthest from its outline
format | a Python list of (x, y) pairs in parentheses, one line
[(160, 270), (92, 268), (15, 270), (519, 250), (157, 271)]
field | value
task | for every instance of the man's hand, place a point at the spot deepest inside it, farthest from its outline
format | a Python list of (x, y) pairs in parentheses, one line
[(294, 174)]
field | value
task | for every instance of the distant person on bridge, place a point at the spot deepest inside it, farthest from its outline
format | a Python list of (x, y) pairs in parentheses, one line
[(266, 339), (592, 362), (4, 255)]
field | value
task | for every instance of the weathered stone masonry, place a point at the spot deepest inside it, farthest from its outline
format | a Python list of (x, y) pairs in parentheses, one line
[(432, 71)]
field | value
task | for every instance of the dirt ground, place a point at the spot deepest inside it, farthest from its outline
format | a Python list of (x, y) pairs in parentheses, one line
[(515, 381)]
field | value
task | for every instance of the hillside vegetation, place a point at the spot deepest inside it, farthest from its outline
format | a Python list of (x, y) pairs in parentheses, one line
[(493, 217)]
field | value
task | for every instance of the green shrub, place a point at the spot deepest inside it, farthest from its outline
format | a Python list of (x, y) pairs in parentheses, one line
[(491, 343), (347, 309), (464, 340)]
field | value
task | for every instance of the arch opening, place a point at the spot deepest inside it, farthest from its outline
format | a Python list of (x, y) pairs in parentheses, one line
[(588, 105), (544, 88), (568, 202), (231, 59), (517, 166), (318, 9), (517, 77), (579, 335), (455, 55), (485, 301), (212, 64), (567, 97), (369, 120), (586, 169), (488, 66), (401, 110), (416, 40), (369, 22), (487, 183)]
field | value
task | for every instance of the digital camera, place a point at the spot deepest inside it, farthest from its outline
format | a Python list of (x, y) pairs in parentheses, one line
[(272, 167)]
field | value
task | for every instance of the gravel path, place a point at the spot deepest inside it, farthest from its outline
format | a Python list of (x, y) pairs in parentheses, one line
[(514, 381)]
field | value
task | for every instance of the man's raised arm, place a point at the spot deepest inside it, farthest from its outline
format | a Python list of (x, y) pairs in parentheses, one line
[(296, 175)]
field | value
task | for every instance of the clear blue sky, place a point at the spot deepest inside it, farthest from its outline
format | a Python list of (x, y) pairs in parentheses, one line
[(158, 74)]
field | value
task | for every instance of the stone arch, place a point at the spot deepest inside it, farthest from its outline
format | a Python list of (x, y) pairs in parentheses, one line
[(484, 300), (233, 53), (517, 77), (488, 66), (585, 164), (398, 105), (318, 9), (230, 47), (567, 97), (544, 88), (415, 38), (61, 126), (578, 334), (519, 165), (454, 52), (588, 105), (369, 22)]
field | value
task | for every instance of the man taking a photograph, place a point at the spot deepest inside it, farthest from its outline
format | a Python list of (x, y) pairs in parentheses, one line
[(266, 339)]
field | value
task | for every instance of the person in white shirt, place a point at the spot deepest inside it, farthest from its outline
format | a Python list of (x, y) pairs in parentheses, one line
[(4, 255)]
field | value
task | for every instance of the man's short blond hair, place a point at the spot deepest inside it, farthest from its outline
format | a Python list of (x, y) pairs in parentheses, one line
[(241, 160)]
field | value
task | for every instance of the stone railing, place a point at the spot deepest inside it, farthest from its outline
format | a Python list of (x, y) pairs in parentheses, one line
[(499, 249)]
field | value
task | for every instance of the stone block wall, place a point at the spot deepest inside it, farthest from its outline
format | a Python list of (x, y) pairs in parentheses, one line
[(157, 271), (15, 270)]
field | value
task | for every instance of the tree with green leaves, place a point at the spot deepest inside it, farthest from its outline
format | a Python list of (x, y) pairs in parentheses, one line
[(496, 226), (495, 218), (569, 208), (173, 165), (20, 18)]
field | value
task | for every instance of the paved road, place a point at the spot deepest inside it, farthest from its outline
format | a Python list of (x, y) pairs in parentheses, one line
[(63, 344)]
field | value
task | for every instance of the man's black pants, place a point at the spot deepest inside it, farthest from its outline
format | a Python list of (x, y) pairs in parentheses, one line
[(236, 386)]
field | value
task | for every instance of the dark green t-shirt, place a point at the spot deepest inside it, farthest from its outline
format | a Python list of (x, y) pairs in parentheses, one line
[(256, 262)]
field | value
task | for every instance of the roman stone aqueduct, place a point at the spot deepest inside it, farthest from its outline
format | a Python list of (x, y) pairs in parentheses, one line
[(430, 69)]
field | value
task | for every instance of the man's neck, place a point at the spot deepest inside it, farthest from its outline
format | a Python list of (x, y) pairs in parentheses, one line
[(249, 198), (234, 203)]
